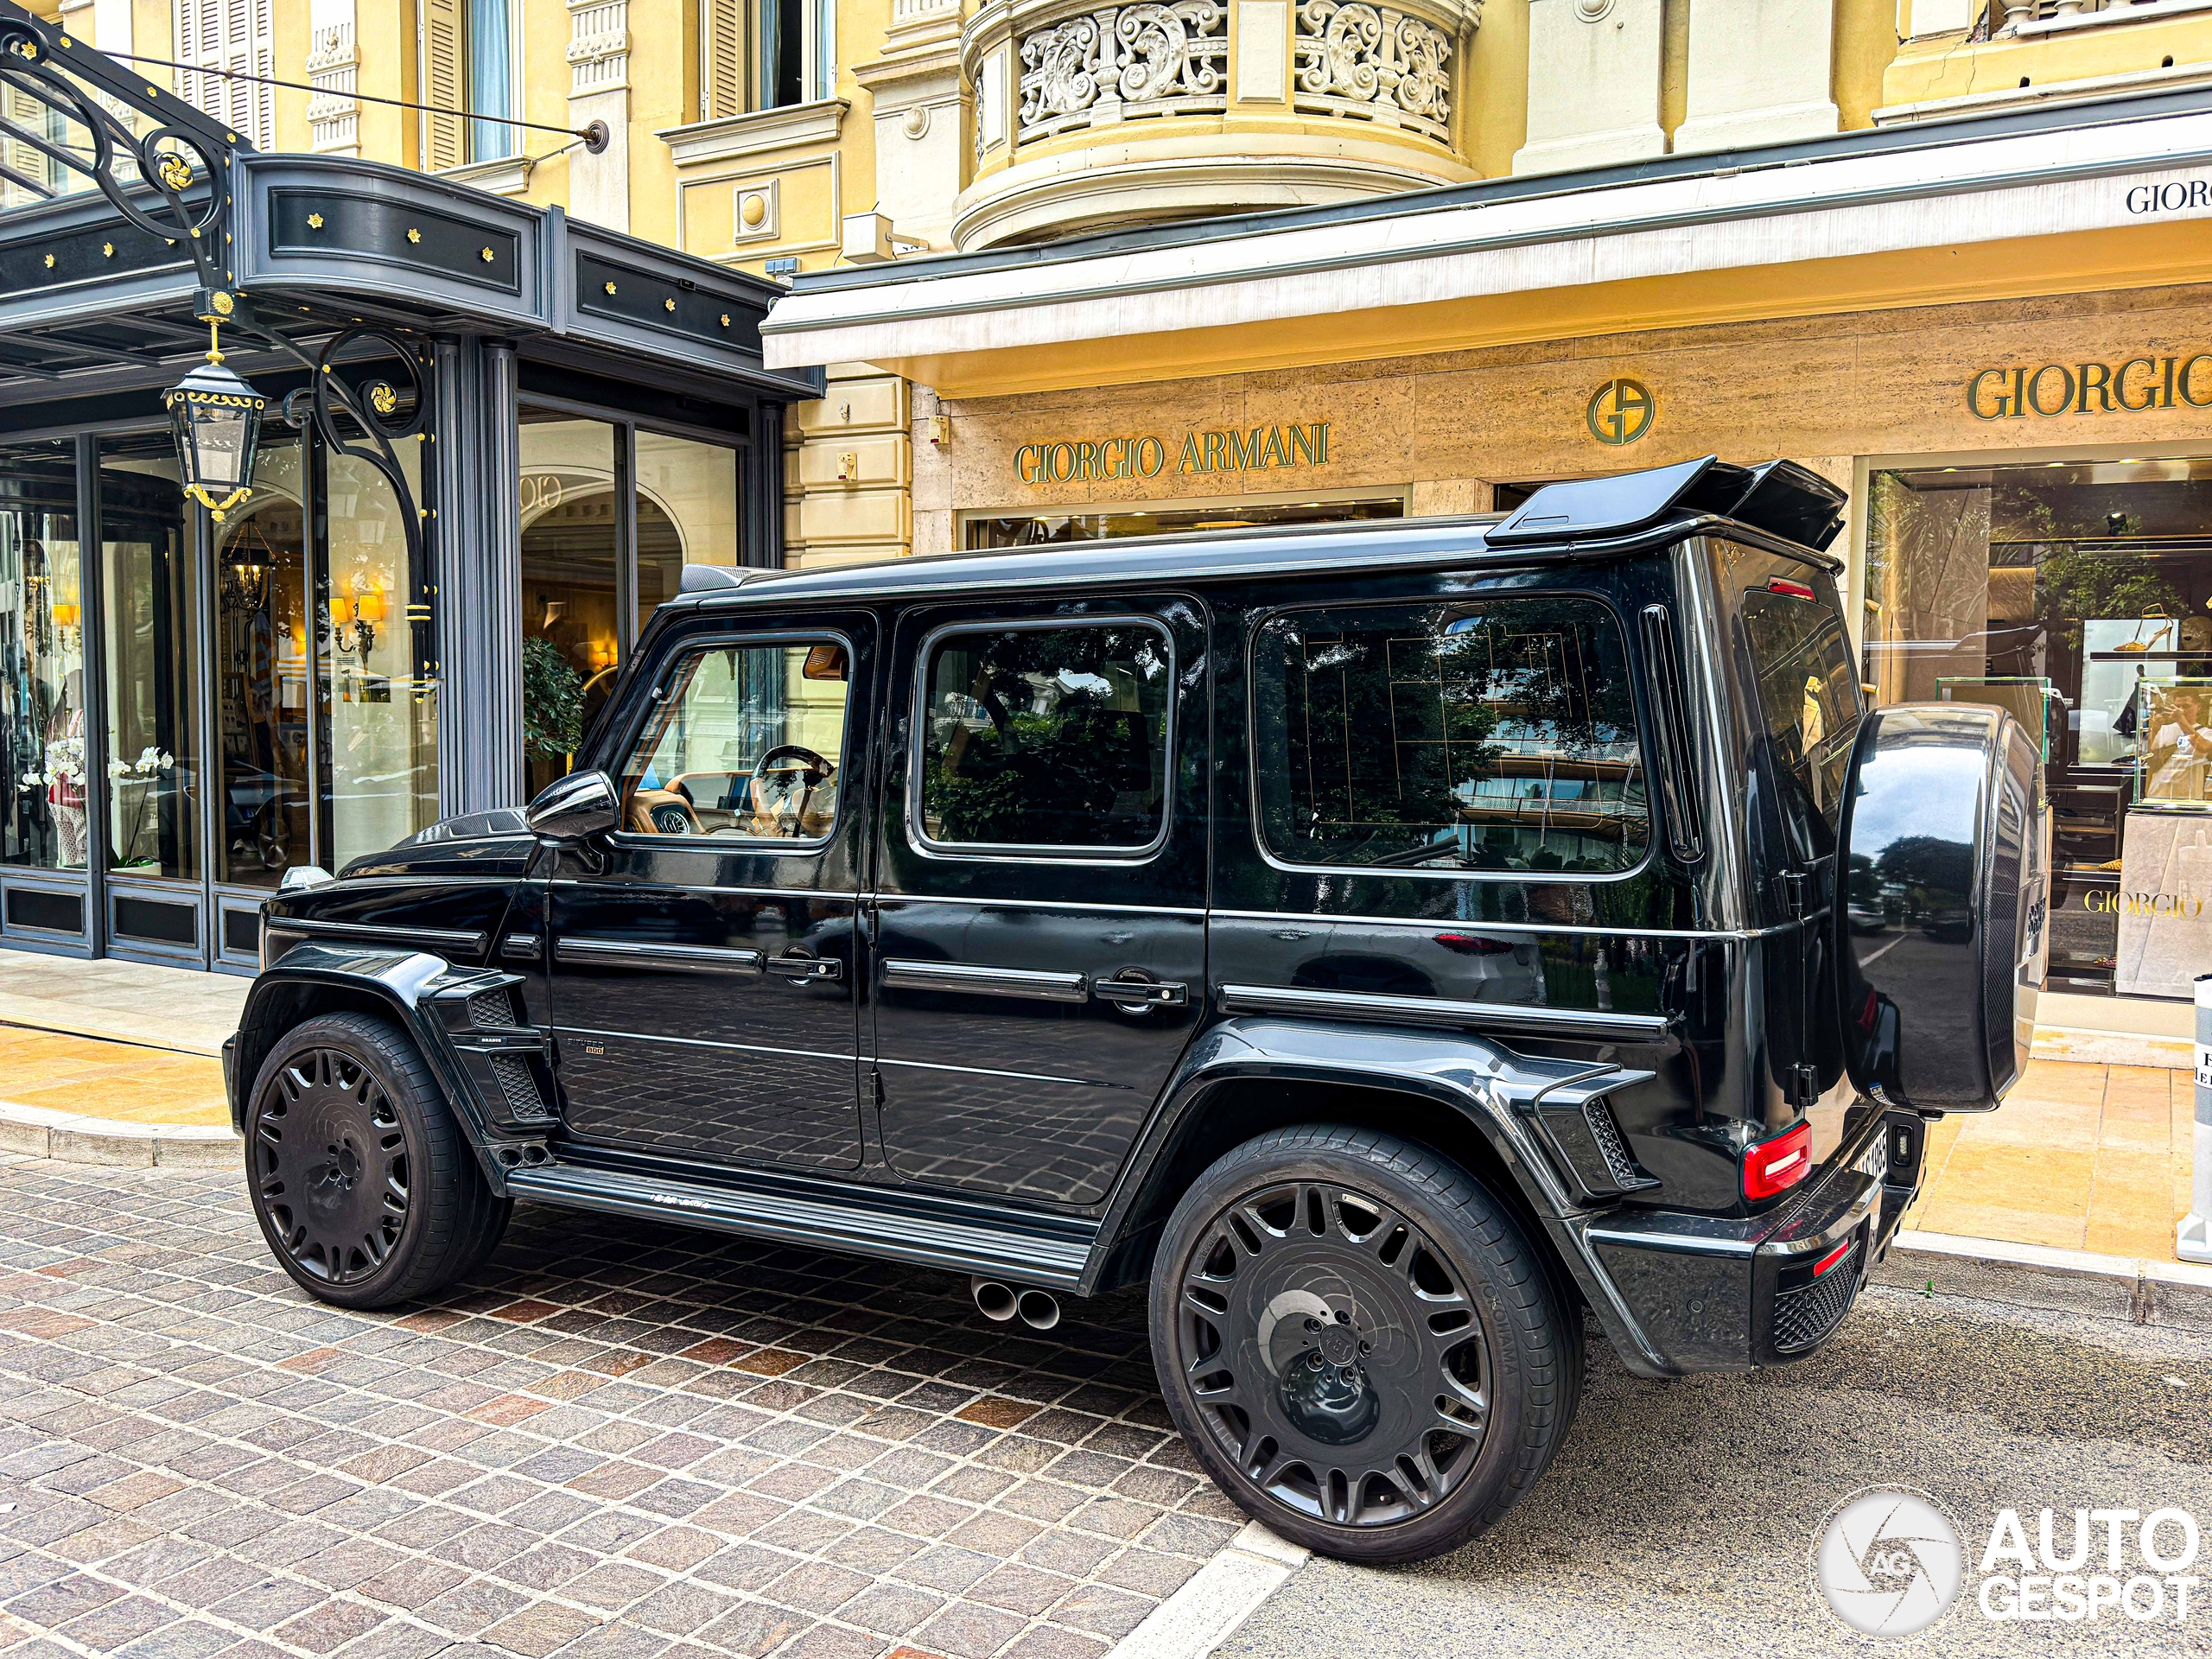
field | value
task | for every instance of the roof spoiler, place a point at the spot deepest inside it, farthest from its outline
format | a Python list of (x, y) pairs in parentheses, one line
[(1779, 496), (717, 578)]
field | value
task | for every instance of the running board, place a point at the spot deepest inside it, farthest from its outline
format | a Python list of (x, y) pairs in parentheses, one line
[(923, 1234)]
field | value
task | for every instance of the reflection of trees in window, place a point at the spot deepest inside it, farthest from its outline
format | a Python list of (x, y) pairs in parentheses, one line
[(1047, 737), (1499, 738)]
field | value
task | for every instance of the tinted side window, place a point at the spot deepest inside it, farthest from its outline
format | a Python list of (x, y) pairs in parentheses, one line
[(746, 743), (1048, 738), (1497, 735)]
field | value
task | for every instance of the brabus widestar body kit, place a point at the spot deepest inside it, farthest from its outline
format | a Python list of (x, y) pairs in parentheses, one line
[(1387, 943)]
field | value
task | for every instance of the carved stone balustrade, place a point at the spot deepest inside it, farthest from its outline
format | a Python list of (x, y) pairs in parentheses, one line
[(1088, 115)]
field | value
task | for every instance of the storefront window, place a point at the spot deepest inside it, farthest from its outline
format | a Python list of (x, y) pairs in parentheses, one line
[(262, 775), (1042, 529), (570, 597), (42, 735), (2078, 597), (686, 512), (378, 706), (148, 592)]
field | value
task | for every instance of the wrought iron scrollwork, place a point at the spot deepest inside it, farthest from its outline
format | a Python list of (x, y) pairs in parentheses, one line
[(182, 152), (166, 160)]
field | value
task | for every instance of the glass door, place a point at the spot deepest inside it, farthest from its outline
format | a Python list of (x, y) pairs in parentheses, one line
[(148, 775), (44, 809)]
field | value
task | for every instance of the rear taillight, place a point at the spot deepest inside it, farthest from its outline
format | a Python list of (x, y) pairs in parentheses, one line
[(1794, 589), (1831, 1258), (1474, 945), (1775, 1166)]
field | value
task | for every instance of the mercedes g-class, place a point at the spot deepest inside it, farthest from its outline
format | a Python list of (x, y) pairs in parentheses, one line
[(1387, 942)]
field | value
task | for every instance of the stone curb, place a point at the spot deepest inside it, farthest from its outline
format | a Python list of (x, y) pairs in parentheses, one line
[(73, 1138), (2138, 1291)]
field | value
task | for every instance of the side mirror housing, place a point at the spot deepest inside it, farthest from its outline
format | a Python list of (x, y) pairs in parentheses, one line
[(575, 808)]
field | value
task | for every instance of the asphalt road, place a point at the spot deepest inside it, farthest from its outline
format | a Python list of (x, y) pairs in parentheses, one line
[(1679, 1517)]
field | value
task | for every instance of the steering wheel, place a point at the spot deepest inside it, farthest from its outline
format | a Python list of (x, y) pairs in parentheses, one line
[(820, 767)]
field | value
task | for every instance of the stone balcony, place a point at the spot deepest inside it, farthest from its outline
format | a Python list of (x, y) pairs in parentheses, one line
[(1091, 117)]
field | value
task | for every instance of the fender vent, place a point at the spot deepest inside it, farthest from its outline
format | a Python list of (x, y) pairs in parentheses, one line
[(1607, 1135), (518, 1085), (491, 1008)]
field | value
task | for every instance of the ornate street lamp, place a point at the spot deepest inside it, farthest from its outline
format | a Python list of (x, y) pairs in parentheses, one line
[(216, 419)]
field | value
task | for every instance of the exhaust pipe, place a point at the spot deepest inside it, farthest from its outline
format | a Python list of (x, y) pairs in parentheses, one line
[(994, 1300), (1040, 1309)]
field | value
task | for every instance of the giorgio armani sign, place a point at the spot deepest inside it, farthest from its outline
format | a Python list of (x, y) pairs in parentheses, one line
[(2131, 387)]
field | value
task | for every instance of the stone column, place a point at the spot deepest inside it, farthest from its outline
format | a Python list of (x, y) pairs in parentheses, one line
[(599, 90)]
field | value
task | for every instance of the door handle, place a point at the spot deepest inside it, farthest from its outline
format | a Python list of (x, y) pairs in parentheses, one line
[(1142, 993), (807, 967)]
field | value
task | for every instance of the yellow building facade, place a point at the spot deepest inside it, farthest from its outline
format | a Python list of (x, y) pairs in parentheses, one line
[(795, 136)]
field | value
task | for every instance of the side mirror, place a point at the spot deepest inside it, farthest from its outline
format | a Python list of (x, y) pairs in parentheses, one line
[(575, 808)]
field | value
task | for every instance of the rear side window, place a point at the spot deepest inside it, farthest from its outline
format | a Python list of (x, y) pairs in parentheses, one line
[(1453, 737), (1048, 740), (1808, 700)]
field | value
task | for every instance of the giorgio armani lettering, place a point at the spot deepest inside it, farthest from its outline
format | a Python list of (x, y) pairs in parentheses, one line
[(1259, 448), (2128, 387), (2170, 197)]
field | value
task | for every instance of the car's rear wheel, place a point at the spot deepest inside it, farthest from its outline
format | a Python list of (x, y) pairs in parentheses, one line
[(1359, 1344), (365, 1187)]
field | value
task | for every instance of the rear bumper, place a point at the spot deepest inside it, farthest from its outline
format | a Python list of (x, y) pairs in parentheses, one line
[(1683, 1293)]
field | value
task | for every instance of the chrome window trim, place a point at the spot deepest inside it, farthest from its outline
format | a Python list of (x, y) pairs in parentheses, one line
[(696, 959), (454, 938), (1195, 911), (1545, 878), (749, 846), (1298, 1000), (1625, 931), (849, 897), (1021, 852), (1024, 984)]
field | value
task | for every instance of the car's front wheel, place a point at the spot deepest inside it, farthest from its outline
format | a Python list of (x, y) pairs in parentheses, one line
[(1359, 1344), (362, 1183)]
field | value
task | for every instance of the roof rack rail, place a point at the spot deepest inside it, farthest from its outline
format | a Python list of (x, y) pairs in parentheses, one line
[(1779, 496)]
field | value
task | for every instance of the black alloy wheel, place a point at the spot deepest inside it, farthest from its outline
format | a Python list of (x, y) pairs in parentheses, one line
[(1359, 1344), (330, 1165), (364, 1187)]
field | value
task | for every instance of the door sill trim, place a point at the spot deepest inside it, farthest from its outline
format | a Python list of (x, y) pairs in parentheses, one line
[(1049, 1251)]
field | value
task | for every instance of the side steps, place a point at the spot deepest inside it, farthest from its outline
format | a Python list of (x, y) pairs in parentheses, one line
[(894, 1225)]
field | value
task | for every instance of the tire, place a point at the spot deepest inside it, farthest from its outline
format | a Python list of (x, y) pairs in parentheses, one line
[(1360, 1345), (365, 1189)]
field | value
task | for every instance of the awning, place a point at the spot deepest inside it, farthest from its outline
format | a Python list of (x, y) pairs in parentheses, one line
[(2042, 202)]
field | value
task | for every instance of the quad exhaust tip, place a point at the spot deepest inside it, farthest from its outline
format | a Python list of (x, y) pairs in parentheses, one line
[(997, 1300)]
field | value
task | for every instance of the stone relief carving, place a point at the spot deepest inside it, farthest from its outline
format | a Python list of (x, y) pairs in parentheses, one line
[(1377, 55), (1091, 66)]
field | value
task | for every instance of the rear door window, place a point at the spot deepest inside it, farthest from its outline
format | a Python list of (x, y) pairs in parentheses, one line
[(1045, 739), (1808, 700), (1497, 735)]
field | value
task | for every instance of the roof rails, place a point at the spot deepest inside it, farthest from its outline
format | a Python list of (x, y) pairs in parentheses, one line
[(1779, 496)]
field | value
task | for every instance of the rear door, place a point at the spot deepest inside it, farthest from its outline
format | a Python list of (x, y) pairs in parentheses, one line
[(1041, 923), (702, 957)]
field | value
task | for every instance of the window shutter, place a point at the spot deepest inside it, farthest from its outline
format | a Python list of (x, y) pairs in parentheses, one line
[(722, 45), (443, 136), (239, 36)]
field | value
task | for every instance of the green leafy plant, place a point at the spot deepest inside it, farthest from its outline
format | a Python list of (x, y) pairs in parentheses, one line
[(552, 702)]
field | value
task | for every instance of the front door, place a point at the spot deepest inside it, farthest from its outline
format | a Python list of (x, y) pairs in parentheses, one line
[(702, 956), (1040, 925)]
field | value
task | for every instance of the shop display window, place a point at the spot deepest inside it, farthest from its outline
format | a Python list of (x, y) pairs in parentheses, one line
[(2078, 597)]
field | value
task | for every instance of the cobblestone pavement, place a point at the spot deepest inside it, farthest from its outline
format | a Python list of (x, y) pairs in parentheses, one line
[(620, 1438)]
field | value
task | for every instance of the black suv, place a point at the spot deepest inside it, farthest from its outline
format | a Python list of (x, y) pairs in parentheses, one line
[(1391, 942)]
